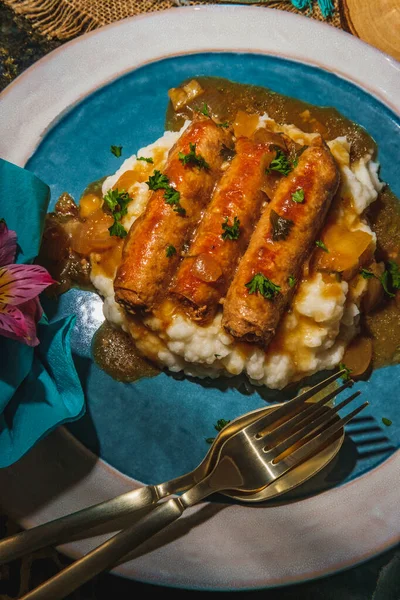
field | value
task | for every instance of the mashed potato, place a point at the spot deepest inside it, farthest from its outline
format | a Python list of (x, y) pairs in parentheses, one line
[(312, 335)]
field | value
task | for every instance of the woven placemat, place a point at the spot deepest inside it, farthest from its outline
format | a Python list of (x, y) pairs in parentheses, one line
[(65, 19)]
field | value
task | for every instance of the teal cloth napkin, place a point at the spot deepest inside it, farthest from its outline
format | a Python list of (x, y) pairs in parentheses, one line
[(39, 387)]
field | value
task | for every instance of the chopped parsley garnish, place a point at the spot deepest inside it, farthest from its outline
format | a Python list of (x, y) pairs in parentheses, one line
[(225, 124), (386, 421), (394, 271), (262, 285), (385, 280), (117, 203), (116, 150), (217, 355), (390, 279), (159, 181), (172, 196), (366, 274), (193, 159), (146, 159), (280, 226), (346, 375), (117, 229), (204, 110), (298, 196), (231, 232), (227, 153), (321, 245), (280, 164), (291, 281), (170, 250), (220, 424)]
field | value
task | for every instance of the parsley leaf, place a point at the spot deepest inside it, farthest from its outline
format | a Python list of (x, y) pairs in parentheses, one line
[(280, 164), (346, 376), (389, 278), (193, 159), (172, 196), (116, 150), (292, 281), (148, 160), (386, 421), (263, 286), (118, 229), (204, 110), (117, 203), (225, 124), (220, 424), (280, 226), (385, 281), (231, 232), (170, 250), (366, 274), (321, 245), (394, 271), (180, 210), (298, 196), (158, 181)]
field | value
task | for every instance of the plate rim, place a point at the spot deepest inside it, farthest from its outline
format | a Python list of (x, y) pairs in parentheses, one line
[(18, 92), (11, 97)]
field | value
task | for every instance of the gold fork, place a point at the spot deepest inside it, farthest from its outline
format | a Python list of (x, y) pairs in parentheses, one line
[(250, 459), (63, 529)]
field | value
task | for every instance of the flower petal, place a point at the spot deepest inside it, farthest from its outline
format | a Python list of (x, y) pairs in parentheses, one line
[(32, 312), (8, 244), (20, 323), (12, 322), (19, 283)]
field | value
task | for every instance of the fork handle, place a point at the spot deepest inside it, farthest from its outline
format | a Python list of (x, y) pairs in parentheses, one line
[(108, 554), (65, 528)]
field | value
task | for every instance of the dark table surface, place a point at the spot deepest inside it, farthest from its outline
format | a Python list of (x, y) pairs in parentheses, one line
[(377, 579)]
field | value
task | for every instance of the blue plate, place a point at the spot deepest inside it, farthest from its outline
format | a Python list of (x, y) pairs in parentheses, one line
[(140, 428)]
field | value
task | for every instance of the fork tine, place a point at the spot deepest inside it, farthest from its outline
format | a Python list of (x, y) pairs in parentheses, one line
[(314, 409), (315, 423), (315, 444), (289, 406)]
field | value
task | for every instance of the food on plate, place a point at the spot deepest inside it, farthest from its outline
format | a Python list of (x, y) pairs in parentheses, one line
[(178, 196), (206, 270), (243, 241), (264, 282)]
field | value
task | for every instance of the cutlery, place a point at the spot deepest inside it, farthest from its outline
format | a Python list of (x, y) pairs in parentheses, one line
[(65, 528), (248, 460)]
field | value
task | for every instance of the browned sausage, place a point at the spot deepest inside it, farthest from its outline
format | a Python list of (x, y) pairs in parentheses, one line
[(147, 267), (207, 270), (281, 242)]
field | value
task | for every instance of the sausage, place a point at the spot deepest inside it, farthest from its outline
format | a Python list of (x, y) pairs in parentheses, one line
[(205, 273), (279, 246), (147, 267)]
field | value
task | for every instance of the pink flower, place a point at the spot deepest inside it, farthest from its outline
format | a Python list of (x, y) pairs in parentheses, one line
[(20, 286)]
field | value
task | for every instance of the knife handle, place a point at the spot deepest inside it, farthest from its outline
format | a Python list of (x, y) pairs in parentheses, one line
[(63, 529), (105, 556)]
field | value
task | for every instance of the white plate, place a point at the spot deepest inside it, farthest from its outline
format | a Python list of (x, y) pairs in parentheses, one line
[(215, 546)]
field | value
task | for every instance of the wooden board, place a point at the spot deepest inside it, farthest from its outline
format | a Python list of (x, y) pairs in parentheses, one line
[(376, 22)]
